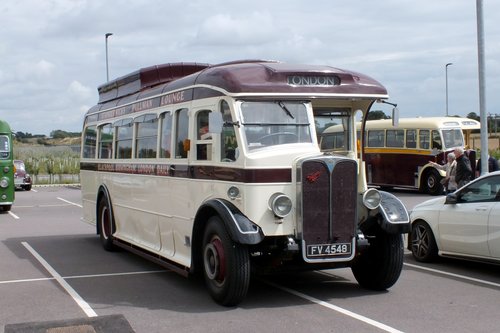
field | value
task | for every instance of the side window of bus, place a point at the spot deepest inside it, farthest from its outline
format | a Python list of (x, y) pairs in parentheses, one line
[(89, 142), (376, 138), (229, 145), (181, 133), (166, 135), (123, 142), (411, 138), (424, 139), (147, 136), (204, 137), (436, 140), (106, 141), (395, 138)]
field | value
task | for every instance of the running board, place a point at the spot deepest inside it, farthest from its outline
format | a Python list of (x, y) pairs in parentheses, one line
[(157, 259)]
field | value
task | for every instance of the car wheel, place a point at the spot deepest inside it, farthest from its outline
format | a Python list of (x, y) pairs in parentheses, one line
[(433, 184), (27, 188), (226, 264), (379, 267), (423, 243), (5, 208), (106, 224)]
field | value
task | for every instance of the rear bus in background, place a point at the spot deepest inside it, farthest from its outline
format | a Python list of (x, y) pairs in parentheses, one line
[(7, 187), (216, 170), (398, 156)]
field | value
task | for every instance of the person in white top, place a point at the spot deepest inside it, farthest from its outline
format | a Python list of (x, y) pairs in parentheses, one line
[(448, 181)]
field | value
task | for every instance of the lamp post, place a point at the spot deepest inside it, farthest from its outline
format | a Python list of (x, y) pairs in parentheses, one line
[(446, 70), (106, 40)]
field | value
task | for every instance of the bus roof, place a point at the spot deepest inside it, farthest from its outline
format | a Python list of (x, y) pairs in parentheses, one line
[(251, 77), (426, 122), (4, 127)]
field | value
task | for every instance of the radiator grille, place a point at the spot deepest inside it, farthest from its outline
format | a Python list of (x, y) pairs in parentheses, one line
[(329, 199)]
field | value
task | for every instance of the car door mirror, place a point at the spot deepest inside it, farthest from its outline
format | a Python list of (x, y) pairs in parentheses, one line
[(451, 199)]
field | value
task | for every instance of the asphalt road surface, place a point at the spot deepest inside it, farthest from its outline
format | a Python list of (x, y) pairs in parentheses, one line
[(53, 269)]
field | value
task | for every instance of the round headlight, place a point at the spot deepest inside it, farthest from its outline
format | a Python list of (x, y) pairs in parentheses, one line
[(371, 198), (4, 183), (6, 169), (281, 205)]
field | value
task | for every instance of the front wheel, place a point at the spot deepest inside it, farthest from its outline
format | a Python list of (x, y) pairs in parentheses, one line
[(226, 264), (379, 266), (423, 244), (433, 185)]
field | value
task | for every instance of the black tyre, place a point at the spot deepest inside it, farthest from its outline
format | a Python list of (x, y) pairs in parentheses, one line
[(433, 185), (27, 188), (106, 224), (226, 265), (379, 267), (423, 243), (5, 208)]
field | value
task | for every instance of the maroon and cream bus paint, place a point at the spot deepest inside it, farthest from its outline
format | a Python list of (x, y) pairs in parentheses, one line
[(214, 169)]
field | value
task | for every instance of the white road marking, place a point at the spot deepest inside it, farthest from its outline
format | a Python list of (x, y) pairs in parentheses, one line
[(71, 203), (83, 305), (84, 276), (26, 280), (463, 277), (13, 215), (337, 308)]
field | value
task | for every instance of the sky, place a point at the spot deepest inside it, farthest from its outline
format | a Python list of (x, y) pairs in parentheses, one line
[(52, 52)]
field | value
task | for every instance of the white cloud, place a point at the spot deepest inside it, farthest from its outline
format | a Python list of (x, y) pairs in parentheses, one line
[(79, 91)]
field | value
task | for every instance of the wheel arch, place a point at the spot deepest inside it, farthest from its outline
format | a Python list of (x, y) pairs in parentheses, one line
[(241, 229)]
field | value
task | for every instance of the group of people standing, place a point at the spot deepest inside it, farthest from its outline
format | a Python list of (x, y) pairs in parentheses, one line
[(459, 171)]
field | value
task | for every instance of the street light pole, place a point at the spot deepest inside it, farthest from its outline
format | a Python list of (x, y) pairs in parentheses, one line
[(106, 40), (446, 70)]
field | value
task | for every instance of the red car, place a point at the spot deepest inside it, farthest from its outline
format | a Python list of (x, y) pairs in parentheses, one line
[(22, 179)]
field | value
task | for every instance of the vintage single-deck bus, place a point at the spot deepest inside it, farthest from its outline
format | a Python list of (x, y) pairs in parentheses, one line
[(398, 156), (7, 186), (214, 169)]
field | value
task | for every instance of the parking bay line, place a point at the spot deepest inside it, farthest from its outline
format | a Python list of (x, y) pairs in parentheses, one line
[(13, 215), (71, 203), (462, 277), (336, 308), (76, 297)]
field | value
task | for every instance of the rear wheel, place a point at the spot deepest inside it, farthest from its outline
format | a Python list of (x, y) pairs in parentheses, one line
[(423, 244), (5, 208), (106, 224), (379, 267), (226, 265)]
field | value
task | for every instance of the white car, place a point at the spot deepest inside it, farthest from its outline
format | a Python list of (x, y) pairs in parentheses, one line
[(464, 224)]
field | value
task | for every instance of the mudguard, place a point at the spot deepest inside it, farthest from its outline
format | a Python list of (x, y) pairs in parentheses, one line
[(240, 228), (395, 218)]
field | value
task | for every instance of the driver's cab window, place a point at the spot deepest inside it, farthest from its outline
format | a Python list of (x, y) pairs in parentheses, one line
[(229, 145), (485, 190), (436, 140), (204, 137)]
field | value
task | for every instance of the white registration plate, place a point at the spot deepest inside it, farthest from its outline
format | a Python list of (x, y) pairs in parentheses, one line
[(318, 250)]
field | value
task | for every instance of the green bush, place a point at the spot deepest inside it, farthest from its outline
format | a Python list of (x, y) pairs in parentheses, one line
[(48, 160)]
